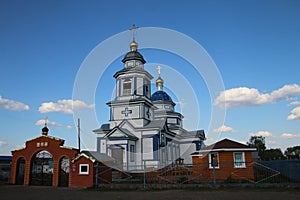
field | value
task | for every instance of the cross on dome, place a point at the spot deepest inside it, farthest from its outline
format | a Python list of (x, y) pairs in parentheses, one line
[(133, 30), (133, 44), (159, 81)]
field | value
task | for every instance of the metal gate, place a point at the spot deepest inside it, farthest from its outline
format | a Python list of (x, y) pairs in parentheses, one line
[(64, 171), (42, 169), (20, 171)]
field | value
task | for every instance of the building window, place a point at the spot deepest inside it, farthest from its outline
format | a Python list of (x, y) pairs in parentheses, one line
[(84, 169), (214, 160), (239, 160), (132, 151), (147, 89), (162, 139), (127, 87)]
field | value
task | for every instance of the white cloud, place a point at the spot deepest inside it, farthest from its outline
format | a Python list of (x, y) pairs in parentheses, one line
[(295, 114), (41, 122), (12, 105), (223, 129), (69, 127), (289, 135), (65, 106), (246, 97), (2, 142), (286, 92), (261, 133), (295, 103)]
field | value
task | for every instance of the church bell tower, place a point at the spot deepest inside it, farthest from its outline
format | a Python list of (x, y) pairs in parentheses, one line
[(133, 90)]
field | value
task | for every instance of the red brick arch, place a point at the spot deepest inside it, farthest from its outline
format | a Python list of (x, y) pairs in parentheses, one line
[(53, 145)]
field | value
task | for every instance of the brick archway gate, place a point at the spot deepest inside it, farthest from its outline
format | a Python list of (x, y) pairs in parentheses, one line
[(43, 143)]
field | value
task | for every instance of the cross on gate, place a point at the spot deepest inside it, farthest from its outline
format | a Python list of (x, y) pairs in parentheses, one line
[(126, 112)]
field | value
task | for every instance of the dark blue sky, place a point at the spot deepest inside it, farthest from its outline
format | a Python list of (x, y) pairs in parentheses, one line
[(255, 45)]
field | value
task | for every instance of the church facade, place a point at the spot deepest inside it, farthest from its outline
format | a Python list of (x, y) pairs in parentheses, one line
[(144, 130)]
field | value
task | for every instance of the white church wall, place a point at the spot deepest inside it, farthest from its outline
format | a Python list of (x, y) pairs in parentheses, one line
[(127, 112), (147, 148), (140, 82), (138, 152), (103, 146)]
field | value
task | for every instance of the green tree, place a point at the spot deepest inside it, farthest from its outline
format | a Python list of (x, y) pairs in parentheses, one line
[(259, 143), (292, 152), (273, 154)]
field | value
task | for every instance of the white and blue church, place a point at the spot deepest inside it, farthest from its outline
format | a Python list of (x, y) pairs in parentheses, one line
[(144, 129)]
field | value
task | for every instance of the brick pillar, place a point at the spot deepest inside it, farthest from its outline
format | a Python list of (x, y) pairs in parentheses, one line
[(55, 172), (27, 171)]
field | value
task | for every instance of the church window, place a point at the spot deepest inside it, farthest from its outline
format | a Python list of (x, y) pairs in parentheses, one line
[(162, 139), (130, 64), (127, 87), (213, 160), (84, 169), (146, 87), (198, 145), (132, 151)]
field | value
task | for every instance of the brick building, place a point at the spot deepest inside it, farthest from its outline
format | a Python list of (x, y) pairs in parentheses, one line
[(46, 161), (229, 159)]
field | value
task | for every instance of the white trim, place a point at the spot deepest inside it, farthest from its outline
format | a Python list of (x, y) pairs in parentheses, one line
[(84, 172), (241, 164), (210, 161)]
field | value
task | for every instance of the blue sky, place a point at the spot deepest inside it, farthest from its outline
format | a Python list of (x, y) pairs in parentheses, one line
[(255, 45)]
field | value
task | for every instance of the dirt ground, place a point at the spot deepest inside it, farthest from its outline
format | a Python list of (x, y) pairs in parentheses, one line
[(9, 192)]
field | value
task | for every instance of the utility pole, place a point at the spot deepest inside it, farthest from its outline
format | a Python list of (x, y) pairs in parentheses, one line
[(79, 134)]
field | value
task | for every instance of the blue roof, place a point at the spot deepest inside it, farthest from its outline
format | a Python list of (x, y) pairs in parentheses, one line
[(5, 158), (160, 96)]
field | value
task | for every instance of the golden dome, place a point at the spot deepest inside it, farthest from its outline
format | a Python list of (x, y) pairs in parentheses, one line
[(133, 46), (159, 83), (159, 80)]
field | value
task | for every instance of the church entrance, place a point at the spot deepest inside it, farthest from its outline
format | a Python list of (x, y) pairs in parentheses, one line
[(64, 171), (20, 171), (41, 169)]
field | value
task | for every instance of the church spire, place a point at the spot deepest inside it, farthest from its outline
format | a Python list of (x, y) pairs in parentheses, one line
[(133, 44), (159, 81), (133, 54)]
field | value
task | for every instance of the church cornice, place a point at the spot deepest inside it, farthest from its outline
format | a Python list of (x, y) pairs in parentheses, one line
[(137, 100), (169, 114), (132, 70)]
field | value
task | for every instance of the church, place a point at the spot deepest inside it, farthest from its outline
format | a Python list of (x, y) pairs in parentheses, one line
[(144, 130)]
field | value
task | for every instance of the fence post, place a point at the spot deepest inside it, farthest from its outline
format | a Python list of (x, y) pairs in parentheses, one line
[(96, 175), (214, 168), (144, 174)]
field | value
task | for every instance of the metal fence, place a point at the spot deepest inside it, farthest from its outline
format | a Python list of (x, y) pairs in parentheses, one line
[(263, 173), (266, 173)]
